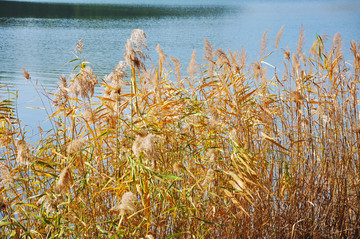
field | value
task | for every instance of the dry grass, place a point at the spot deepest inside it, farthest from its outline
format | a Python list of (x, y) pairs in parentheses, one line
[(233, 150)]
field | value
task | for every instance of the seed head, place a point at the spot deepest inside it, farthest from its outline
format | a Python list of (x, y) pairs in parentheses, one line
[(48, 202), (79, 46), (144, 144), (193, 67), (134, 47), (209, 178), (178, 167), (162, 56), (24, 155), (212, 155), (64, 182), (76, 145), (128, 204), (84, 83), (6, 177), (297, 97), (63, 96)]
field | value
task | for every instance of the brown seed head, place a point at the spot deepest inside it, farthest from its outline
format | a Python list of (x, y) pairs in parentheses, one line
[(76, 145), (6, 177), (79, 46), (193, 65), (144, 144), (297, 97), (212, 154), (64, 182), (128, 204), (162, 56), (278, 36), (24, 155), (135, 47), (178, 166)]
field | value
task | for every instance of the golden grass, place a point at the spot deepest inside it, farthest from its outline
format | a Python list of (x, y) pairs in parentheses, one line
[(233, 150)]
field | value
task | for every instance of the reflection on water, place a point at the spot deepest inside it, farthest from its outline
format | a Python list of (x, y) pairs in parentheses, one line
[(89, 11)]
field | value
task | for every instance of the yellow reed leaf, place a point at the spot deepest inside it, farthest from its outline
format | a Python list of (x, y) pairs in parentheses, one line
[(235, 201), (272, 140)]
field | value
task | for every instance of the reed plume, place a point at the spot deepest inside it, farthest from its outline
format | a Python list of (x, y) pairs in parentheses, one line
[(64, 182), (24, 155), (127, 205)]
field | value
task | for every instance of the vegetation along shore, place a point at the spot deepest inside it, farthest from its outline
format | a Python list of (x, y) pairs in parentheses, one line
[(224, 148)]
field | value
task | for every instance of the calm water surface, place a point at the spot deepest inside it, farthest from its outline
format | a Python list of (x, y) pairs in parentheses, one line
[(41, 36)]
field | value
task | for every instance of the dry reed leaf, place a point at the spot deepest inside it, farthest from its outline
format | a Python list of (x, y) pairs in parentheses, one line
[(278, 36), (235, 201), (26, 74), (240, 184), (272, 140)]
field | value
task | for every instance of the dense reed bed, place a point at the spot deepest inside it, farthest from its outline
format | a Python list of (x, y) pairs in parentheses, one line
[(231, 149)]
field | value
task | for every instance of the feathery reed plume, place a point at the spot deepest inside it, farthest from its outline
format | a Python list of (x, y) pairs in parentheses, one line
[(79, 46), (213, 117), (336, 45), (64, 182), (5, 140), (193, 67), (287, 54), (48, 203), (84, 83), (258, 71), (6, 176), (149, 79), (209, 56), (144, 145), (178, 167), (63, 96), (297, 97), (356, 51), (90, 115), (76, 145), (300, 45), (278, 36), (177, 66), (26, 74), (263, 43), (236, 68), (209, 178), (24, 154), (114, 82), (212, 154), (134, 47), (295, 64), (162, 55), (222, 58), (127, 205)]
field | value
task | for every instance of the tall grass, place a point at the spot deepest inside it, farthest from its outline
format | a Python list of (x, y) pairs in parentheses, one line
[(230, 150)]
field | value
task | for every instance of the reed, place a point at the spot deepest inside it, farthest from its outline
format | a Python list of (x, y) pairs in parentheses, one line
[(234, 149)]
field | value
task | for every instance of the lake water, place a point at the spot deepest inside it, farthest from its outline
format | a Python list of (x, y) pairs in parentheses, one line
[(41, 36)]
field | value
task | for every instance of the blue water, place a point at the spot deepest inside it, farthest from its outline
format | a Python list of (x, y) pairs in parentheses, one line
[(43, 40)]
